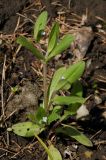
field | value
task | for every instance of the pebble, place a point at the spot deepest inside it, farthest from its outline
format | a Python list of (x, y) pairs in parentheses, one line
[(82, 111), (83, 38), (98, 100)]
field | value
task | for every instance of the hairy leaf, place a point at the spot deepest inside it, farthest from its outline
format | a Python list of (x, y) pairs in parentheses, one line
[(29, 45), (55, 114), (56, 78), (74, 133), (53, 117), (63, 84), (71, 74), (40, 113), (63, 45), (40, 25), (55, 153), (67, 100), (76, 71), (26, 129), (53, 37)]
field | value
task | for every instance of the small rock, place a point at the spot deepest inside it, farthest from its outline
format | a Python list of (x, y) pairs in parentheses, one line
[(75, 146), (1, 41), (82, 112), (104, 114), (88, 63), (68, 152), (83, 38), (98, 100)]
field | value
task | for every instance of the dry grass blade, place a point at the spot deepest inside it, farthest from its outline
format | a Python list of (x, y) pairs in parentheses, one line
[(2, 87)]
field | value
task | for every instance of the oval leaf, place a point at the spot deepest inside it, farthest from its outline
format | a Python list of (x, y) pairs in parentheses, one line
[(75, 71), (63, 45), (67, 100), (55, 153), (72, 73), (53, 37), (74, 133), (40, 25), (56, 78), (26, 129), (29, 45)]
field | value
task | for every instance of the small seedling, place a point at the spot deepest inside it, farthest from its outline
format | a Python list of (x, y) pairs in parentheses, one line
[(14, 89), (53, 109)]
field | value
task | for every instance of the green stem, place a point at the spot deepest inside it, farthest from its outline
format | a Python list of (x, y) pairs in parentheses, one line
[(44, 146), (45, 87)]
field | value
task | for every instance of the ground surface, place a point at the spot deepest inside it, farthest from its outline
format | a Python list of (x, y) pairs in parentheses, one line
[(19, 67)]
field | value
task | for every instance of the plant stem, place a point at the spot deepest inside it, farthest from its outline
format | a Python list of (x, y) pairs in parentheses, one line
[(45, 87), (45, 147)]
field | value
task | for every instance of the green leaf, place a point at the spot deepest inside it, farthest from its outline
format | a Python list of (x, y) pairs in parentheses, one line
[(76, 71), (53, 37), (15, 89), (26, 129), (74, 133), (66, 115), (40, 25), (29, 45), (63, 84), (55, 153), (54, 115), (63, 45), (66, 87), (40, 114), (67, 100), (56, 78), (63, 77), (71, 74), (73, 108), (77, 89)]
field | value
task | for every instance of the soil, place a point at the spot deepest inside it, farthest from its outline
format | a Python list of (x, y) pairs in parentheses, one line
[(18, 67)]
